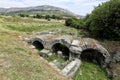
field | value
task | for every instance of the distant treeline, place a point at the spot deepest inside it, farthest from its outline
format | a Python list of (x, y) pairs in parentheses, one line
[(48, 17), (102, 23)]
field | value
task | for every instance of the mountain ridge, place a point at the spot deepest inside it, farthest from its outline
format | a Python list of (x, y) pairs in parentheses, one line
[(43, 9)]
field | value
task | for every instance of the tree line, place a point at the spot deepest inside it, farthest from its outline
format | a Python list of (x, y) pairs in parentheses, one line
[(103, 22), (39, 16)]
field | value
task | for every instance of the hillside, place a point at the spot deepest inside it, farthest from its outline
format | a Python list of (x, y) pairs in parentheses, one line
[(17, 60), (42, 10)]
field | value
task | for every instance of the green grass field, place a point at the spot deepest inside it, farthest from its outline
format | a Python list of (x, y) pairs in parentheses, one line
[(19, 62), (90, 71)]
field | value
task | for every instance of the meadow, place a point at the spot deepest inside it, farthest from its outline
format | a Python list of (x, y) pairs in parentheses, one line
[(19, 62)]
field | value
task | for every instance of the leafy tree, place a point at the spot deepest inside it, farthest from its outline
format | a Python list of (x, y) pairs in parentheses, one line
[(22, 15), (69, 22), (53, 17), (76, 23), (104, 22), (38, 16), (47, 17)]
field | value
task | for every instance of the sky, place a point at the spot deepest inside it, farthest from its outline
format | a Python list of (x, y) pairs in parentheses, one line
[(81, 7)]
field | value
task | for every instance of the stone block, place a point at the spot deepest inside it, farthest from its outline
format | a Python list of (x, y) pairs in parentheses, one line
[(75, 43), (76, 50), (71, 68), (32, 47), (59, 54), (45, 52)]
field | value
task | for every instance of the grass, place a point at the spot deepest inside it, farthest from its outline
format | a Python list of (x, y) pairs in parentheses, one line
[(60, 59), (28, 25), (17, 60), (90, 71)]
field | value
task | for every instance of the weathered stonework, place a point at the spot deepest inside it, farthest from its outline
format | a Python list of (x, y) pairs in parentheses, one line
[(45, 52), (116, 57), (73, 48), (71, 68)]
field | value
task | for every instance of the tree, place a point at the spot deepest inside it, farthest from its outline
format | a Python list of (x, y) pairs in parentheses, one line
[(53, 16), (68, 22), (104, 22), (76, 23), (47, 17), (22, 15)]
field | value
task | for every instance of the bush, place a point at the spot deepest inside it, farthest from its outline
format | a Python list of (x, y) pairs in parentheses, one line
[(76, 23), (104, 22), (23, 15), (69, 22)]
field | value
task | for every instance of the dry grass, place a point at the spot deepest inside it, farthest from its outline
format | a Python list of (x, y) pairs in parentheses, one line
[(17, 60)]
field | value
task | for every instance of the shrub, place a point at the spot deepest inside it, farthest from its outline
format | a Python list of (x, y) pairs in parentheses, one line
[(104, 22)]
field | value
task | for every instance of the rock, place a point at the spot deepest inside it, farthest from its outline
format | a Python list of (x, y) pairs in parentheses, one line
[(20, 37), (71, 68), (28, 40), (75, 43), (76, 50), (56, 63), (32, 47), (116, 57), (45, 53), (51, 32), (49, 55), (59, 54)]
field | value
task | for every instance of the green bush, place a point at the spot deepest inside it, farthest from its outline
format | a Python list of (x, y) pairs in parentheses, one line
[(104, 22), (76, 23)]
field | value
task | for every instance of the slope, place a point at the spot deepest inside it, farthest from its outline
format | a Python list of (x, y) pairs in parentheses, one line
[(17, 60)]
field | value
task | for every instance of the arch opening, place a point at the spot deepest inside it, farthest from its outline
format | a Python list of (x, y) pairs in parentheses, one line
[(92, 55), (38, 45), (60, 47)]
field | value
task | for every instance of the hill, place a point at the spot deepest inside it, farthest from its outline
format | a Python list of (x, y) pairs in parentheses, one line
[(17, 60), (42, 10)]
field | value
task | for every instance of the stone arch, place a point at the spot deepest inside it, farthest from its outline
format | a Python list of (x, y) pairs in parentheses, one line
[(61, 45), (97, 52), (38, 43)]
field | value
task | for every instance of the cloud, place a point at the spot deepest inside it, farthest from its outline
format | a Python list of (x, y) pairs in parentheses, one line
[(77, 6)]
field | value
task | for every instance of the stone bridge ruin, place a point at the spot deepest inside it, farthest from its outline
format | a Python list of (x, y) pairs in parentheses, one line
[(72, 49)]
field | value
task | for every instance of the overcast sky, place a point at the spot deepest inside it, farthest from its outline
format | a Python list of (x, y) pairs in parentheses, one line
[(81, 7)]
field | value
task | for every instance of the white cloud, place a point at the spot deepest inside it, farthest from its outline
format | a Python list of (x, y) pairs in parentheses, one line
[(78, 6)]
